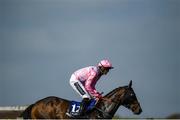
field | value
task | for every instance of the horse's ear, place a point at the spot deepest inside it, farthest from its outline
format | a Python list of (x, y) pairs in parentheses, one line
[(130, 84)]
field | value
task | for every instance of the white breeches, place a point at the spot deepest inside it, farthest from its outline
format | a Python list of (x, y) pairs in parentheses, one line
[(78, 87)]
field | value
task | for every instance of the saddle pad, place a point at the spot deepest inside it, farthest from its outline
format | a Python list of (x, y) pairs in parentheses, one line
[(75, 106), (91, 104)]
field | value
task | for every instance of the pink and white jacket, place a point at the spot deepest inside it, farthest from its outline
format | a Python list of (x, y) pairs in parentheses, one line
[(88, 76)]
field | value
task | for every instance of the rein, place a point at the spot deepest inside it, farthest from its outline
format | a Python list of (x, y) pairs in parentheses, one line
[(110, 101), (102, 111), (105, 113)]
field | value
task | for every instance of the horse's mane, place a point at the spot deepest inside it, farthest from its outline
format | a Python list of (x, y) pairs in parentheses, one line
[(114, 90)]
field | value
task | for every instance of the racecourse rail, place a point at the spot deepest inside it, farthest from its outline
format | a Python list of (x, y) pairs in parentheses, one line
[(13, 108), (11, 112)]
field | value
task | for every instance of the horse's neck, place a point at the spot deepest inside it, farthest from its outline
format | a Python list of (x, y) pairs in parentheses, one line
[(115, 98)]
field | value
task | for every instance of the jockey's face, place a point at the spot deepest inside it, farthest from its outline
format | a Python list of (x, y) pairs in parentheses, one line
[(104, 71)]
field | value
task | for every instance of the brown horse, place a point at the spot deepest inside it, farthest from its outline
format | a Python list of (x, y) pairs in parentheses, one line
[(56, 108)]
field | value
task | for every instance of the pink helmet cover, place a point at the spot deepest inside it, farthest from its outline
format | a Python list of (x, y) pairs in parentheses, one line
[(105, 63)]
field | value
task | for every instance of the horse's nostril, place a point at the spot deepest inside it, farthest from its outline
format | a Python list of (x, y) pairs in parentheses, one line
[(140, 110)]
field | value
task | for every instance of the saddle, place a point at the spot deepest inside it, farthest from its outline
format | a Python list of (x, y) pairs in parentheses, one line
[(74, 107)]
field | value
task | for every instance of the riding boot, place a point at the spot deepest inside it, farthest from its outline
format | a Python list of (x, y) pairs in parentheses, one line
[(83, 106)]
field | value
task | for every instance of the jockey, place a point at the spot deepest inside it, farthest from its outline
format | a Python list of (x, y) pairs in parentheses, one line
[(83, 81)]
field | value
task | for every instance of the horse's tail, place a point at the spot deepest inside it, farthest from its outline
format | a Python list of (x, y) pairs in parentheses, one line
[(26, 114)]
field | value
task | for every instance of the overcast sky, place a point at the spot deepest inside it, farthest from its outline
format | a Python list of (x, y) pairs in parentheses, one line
[(44, 41)]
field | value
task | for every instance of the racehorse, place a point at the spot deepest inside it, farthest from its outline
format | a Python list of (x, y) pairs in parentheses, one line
[(56, 108)]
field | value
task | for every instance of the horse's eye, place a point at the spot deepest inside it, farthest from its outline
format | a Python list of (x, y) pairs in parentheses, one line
[(131, 94)]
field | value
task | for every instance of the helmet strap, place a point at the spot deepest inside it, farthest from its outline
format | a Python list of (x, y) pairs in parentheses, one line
[(102, 65), (102, 70)]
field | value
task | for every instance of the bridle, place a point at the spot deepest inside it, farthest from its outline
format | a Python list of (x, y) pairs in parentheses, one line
[(106, 113), (112, 101)]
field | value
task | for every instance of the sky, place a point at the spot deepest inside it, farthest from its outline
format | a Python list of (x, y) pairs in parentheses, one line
[(42, 42)]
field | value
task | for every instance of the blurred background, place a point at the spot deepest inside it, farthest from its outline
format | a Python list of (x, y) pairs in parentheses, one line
[(42, 42)]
